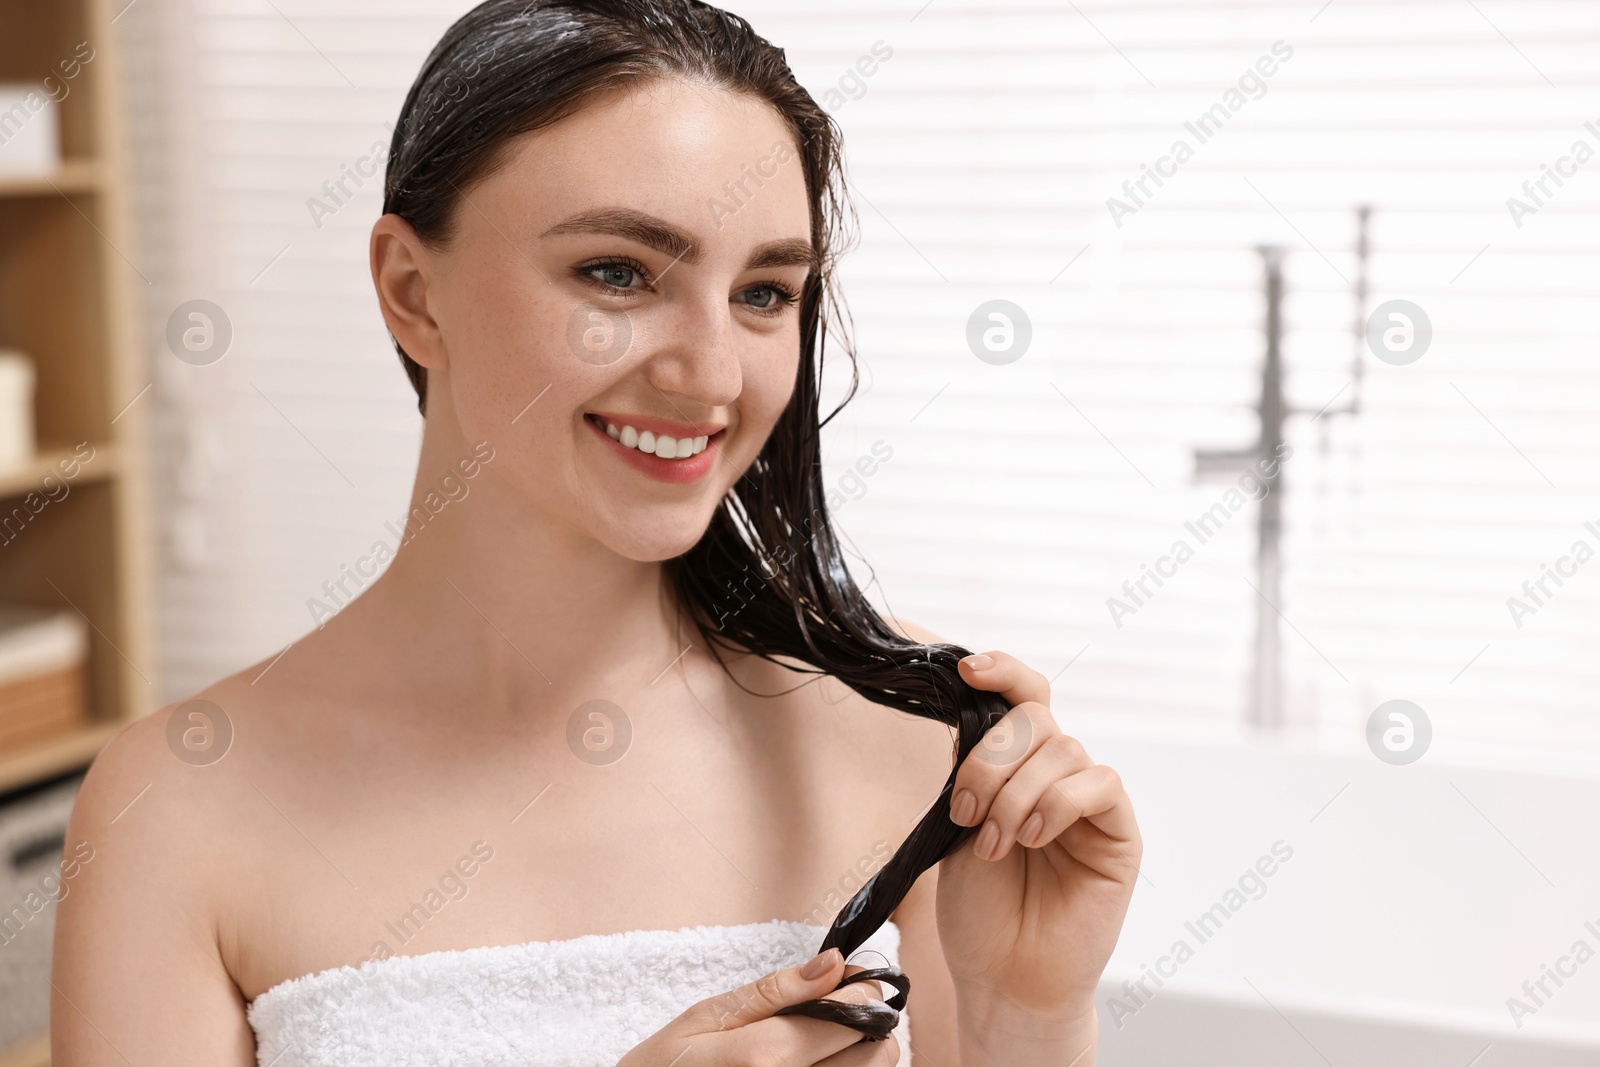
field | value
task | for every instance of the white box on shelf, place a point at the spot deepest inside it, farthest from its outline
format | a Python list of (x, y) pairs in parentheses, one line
[(16, 409), (30, 137)]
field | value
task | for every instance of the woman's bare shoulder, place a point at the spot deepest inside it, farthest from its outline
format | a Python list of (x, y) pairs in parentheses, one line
[(168, 790), (153, 833), (904, 754), (150, 780)]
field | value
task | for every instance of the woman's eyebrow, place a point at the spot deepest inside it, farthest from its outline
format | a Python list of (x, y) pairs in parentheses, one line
[(791, 252), (669, 240)]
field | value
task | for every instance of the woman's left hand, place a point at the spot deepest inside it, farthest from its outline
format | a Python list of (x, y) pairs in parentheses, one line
[(1030, 908)]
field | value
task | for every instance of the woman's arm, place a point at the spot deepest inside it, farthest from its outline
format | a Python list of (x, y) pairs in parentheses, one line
[(936, 1038), (1057, 898), (933, 1023), (137, 975)]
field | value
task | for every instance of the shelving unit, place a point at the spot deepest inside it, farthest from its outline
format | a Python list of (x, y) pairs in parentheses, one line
[(66, 299)]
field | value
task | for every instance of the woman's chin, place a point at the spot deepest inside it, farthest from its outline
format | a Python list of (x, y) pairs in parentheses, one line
[(655, 542)]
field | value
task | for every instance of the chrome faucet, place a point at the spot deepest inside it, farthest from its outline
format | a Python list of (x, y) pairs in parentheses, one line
[(1266, 690)]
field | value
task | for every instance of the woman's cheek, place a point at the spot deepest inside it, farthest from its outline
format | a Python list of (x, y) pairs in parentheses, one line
[(769, 380), (507, 360)]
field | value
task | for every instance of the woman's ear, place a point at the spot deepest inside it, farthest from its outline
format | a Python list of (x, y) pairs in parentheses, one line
[(402, 270)]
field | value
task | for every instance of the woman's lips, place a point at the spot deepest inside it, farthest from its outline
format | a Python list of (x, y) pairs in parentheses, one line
[(675, 471), (657, 426)]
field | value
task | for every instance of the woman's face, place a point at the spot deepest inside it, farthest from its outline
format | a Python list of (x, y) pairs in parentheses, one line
[(631, 274)]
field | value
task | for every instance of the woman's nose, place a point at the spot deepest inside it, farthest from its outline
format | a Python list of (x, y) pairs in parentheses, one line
[(695, 355)]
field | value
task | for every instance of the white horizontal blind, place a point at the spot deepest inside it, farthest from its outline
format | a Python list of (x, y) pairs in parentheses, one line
[(283, 461), (1018, 498), (1021, 497)]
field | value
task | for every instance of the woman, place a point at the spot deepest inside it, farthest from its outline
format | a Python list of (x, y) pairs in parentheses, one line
[(576, 781)]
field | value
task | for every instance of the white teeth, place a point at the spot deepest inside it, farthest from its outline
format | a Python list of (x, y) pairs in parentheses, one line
[(662, 446)]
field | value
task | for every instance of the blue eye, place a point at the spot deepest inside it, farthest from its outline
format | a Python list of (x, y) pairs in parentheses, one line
[(622, 277), (769, 298), (614, 275)]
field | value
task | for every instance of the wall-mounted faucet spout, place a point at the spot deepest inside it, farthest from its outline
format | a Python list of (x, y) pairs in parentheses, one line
[(1266, 696)]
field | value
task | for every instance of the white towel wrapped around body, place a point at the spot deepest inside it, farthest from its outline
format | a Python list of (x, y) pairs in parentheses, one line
[(582, 1002)]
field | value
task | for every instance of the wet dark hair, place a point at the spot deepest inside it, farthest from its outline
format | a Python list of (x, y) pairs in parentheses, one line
[(767, 576)]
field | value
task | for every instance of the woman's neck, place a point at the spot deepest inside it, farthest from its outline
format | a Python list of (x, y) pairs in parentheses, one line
[(490, 598)]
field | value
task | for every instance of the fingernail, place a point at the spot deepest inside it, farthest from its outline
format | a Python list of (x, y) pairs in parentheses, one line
[(965, 808), (988, 839), (1031, 830), (820, 964), (979, 661)]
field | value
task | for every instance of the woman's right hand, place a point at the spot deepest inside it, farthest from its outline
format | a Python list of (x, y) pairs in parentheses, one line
[(740, 1027)]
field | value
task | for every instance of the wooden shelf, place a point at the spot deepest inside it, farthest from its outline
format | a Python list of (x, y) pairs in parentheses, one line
[(67, 302), (68, 294), (22, 765), (29, 477), (34, 1053), (73, 176)]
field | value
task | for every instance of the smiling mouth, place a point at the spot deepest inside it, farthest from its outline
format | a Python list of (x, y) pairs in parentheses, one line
[(660, 445)]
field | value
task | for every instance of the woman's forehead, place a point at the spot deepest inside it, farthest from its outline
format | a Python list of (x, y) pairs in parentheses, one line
[(721, 166)]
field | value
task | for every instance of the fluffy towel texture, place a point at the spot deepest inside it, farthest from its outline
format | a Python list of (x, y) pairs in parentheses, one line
[(583, 1002)]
